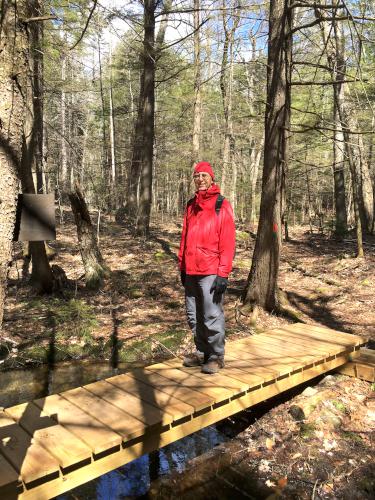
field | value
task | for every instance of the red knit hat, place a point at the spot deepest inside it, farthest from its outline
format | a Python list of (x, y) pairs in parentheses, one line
[(204, 166)]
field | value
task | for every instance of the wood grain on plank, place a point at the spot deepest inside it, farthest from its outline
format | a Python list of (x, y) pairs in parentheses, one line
[(118, 421), (320, 332), (224, 377), (30, 460), (58, 441), (170, 405), (148, 414), (90, 430), (197, 400), (205, 385)]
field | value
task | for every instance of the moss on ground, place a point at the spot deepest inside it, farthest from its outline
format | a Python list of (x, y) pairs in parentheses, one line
[(146, 349), (307, 431)]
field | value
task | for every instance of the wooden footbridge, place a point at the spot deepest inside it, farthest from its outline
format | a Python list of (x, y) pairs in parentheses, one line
[(51, 445)]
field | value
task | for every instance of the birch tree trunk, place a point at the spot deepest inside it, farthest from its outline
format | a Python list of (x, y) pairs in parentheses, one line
[(13, 77)]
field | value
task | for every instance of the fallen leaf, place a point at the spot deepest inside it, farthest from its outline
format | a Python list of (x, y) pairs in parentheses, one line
[(270, 443), (296, 455), (282, 482)]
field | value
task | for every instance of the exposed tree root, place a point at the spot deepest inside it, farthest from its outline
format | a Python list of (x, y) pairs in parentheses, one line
[(247, 314)]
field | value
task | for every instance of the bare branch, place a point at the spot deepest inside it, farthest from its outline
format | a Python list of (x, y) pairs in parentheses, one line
[(334, 82), (39, 19), (86, 25)]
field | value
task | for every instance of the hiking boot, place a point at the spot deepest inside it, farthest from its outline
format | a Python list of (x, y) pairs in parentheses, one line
[(194, 359), (213, 365)]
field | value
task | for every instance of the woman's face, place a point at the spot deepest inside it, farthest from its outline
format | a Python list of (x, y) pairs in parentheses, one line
[(202, 181)]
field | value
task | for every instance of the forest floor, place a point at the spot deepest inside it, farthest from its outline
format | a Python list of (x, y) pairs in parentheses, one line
[(138, 316)]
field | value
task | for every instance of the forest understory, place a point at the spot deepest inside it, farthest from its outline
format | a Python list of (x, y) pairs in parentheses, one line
[(138, 317)]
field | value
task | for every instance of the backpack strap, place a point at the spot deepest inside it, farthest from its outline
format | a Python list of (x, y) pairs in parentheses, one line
[(189, 202), (219, 202)]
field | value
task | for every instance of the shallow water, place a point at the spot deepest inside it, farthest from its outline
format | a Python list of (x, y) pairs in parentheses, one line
[(20, 386), (132, 480), (135, 478)]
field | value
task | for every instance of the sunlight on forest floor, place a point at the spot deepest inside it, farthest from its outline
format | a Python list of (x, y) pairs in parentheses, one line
[(141, 307)]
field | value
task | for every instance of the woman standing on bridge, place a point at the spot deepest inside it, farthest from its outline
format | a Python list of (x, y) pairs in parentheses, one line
[(205, 260)]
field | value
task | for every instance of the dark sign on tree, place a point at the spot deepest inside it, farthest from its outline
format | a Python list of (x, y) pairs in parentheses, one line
[(35, 218)]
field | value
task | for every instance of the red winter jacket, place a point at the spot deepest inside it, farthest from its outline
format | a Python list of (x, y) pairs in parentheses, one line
[(208, 239)]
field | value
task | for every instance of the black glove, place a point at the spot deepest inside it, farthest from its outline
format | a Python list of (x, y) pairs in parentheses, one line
[(219, 285), (183, 277)]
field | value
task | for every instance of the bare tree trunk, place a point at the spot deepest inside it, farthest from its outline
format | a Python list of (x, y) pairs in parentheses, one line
[(197, 106), (37, 66), (261, 287), (255, 158), (64, 155), (339, 169), (32, 145), (95, 268), (112, 130), (336, 60), (343, 115), (145, 199), (13, 77), (135, 176), (226, 86), (366, 188), (104, 132)]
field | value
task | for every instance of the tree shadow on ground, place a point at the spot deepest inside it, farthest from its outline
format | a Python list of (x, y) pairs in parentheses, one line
[(317, 310)]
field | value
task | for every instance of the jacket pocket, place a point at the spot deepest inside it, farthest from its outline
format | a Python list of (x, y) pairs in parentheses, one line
[(207, 259)]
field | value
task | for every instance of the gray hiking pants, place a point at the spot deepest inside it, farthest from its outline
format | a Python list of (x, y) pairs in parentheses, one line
[(205, 315)]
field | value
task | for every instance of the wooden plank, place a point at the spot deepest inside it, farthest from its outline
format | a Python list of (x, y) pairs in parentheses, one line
[(118, 421), (205, 385), (224, 378), (90, 430), (29, 459), (320, 332), (168, 404), (58, 441), (365, 372), (9, 477), (365, 355), (156, 441), (303, 353), (324, 346), (279, 347), (148, 414), (278, 361), (322, 338), (347, 369), (197, 400), (270, 368), (358, 370), (266, 373)]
